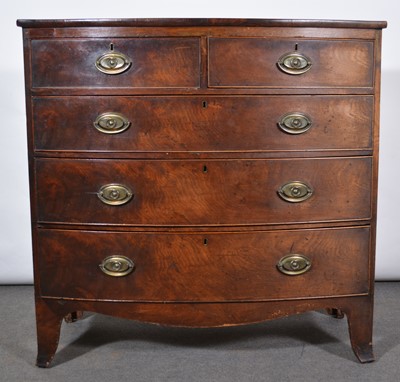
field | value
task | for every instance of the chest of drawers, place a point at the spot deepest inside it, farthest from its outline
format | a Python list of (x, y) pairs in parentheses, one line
[(202, 172)]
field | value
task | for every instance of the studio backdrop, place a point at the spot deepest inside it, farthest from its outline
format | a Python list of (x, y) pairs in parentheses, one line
[(15, 236)]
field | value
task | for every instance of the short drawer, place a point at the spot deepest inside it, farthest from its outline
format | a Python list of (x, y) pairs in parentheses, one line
[(195, 192), (134, 62), (253, 62), (173, 124), (204, 266)]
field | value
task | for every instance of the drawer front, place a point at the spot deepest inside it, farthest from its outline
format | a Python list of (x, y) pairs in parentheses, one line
[(202, 123), (153, 62), (252, 62), (194, 192), (180, 267)]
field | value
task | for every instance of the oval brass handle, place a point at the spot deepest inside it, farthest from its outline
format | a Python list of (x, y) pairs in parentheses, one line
[(294, 264), (295, 123), (115, 194), (113, 63), (295, 192), (294, 63), (117, 266), (111, 123)]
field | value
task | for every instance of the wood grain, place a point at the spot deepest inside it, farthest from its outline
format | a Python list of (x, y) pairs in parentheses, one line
[(252, 62), (206, 267), (182, 193), (203, 123), (156, 62)]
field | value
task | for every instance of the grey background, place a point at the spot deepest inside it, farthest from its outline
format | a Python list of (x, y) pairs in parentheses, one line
[(309, 347), (15, 242)]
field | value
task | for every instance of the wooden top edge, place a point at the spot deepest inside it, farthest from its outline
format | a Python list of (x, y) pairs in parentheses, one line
[(69, 23)]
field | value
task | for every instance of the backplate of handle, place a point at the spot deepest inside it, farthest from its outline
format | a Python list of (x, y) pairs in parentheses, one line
[(294, 63), (113, 63), (294, 264), (114, 194), (111, 123), (117, 266), (295, 123), (295, 192)]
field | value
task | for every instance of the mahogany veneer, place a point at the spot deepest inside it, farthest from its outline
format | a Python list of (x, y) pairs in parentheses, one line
[(203, 172)]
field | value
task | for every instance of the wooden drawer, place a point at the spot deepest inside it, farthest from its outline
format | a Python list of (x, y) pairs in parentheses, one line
[(210, 192), (180, 267), (155, 62), (202, 123), (252, 62)]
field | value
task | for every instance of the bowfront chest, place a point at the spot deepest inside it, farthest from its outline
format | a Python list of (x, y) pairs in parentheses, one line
[(202, 172)]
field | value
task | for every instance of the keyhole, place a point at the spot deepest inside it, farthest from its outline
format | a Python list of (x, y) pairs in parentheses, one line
[(111, 46), (204, 104), (205, 169), (295, 47), (205, 241)]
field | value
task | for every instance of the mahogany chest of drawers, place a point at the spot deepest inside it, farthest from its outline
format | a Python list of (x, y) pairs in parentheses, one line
[(202, 172)]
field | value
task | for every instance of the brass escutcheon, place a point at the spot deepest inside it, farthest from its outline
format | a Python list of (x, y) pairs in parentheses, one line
[(295, 192), (294, 264), (294, 63), (115, 194), (113, 63), (295, 123), (111, 123), (117, 266)]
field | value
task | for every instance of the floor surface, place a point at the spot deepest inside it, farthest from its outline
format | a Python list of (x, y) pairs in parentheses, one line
[(308, 347)]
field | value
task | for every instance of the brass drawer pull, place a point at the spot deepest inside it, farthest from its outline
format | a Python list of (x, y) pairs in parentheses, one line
[(294, 63), (295, 123), (117, 266), (294, 264), (111, 123), (113, 63), (295, 192), (115, 194)]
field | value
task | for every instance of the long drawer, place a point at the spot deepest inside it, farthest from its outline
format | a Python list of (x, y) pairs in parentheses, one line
[(134, 62), (151, 124), (203, 267), (254, 62), (210, 192)]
